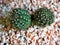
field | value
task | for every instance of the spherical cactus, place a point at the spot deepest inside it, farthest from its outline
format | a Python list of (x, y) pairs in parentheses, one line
[(5, 21), (20, 18), (43, 17)]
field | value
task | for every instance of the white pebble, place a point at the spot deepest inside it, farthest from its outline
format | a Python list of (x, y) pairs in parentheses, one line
[(55, 13)]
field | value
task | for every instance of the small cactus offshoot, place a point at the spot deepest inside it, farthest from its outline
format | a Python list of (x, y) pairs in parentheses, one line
[(20, 18), (43, 17)]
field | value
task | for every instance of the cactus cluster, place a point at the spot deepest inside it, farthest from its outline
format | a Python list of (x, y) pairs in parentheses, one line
[(43, 17), (20, 18)]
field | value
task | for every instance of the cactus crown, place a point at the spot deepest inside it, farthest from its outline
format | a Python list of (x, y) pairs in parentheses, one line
[(20, 18), (43, 17)]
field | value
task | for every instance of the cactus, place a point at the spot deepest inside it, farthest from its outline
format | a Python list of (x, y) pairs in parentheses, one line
[(20, 18), (5, 21), (43, 17)]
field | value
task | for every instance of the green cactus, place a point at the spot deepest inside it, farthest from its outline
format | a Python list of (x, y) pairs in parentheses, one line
[(43, 17), (20, 18)]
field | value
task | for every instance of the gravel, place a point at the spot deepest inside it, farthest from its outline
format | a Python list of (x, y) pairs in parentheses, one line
[(34, 35)]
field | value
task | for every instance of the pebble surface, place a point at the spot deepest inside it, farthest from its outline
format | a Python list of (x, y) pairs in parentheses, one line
[(50, 35)]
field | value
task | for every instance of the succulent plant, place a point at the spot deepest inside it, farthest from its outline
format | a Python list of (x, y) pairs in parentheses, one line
[(5, 21), (20, 18), (43, 17)]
